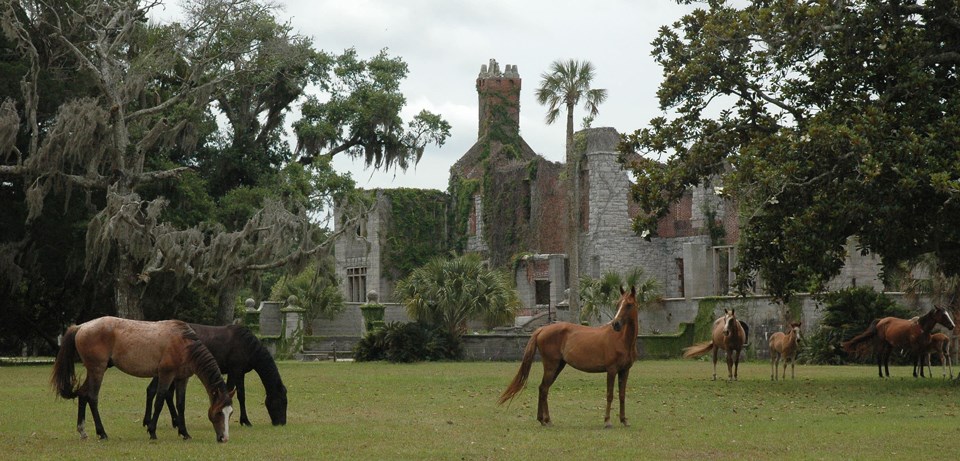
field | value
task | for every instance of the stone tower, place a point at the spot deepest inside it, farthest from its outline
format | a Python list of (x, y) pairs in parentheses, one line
[(499, 94)]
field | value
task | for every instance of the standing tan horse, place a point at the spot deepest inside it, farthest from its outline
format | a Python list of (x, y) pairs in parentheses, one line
[(729, 335), (892, 333), (611, 348), (168, 350), (784, 345), (940, 345)]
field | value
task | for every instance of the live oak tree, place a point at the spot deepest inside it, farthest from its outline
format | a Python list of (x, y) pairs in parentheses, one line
[(824, 120), (135, 123)]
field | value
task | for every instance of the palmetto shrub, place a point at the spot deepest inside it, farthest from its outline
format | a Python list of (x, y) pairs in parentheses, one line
[(409, 342)]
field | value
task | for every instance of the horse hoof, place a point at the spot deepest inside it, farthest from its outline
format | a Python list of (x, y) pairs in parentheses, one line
[(607, 425), (185, 436)]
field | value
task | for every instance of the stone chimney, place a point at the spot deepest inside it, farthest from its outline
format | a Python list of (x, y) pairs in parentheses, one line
[(499, 94)]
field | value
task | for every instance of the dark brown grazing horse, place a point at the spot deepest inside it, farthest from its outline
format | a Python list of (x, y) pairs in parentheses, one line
[(892, 333), (784, 345), (237, 351), (728, 334), (610, 349), (169, 350)]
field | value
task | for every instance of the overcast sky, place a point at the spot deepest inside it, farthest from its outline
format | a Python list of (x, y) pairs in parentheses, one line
[(444, 43)]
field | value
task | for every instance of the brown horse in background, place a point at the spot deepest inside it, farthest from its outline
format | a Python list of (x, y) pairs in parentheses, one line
[(728, 334), (892, 333), (784, 345), (169, 350), (940, 345), (611, 348)]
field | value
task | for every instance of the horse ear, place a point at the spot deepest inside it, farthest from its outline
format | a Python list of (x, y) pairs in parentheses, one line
[(633, 290), (232, 392), (622, 291)]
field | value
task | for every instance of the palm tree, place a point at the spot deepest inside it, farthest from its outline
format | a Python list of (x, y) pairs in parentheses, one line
[(448, 292), (600, 295), (563, 87)]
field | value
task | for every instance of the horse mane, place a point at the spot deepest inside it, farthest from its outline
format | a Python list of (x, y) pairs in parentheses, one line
[(205, 366), (260, 360)]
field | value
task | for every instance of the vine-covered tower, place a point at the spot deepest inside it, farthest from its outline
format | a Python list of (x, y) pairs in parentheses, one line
[(499, 178), (499, 94)]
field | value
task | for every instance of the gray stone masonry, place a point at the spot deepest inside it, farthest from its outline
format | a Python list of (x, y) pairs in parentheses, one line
[(270, 322), (610, 244)]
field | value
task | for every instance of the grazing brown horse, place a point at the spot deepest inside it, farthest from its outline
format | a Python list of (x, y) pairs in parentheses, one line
[(237, 351), (611, 348), (892, 333), (784, 345), (729, 335), (940, 345), (169, 350)]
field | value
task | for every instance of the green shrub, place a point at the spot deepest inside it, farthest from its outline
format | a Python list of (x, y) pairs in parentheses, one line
[(408, 342), (847, 313)]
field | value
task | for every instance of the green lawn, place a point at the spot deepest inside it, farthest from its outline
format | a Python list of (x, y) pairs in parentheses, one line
[(362, 411)]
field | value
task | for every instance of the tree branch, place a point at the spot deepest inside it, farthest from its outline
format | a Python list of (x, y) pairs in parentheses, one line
[(154, 176), (308, 158)]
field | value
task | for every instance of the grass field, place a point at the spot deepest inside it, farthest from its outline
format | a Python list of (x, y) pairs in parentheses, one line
[(363, 411)]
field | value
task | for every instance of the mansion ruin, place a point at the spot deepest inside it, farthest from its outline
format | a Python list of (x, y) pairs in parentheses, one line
[(691, 257)]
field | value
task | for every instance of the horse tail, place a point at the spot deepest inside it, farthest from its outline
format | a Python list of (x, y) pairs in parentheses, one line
[(520, 380), (64, 378), (850, 345), (746, 332), (697, 350)]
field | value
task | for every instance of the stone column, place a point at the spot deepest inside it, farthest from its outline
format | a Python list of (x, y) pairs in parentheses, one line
[(372, 312), (292, 318), (563, 307), (292, 326), (251, 316)]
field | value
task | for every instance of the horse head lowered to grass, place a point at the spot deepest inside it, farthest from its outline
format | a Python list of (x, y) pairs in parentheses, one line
[(237, 351), (169, 350), (610, 349)]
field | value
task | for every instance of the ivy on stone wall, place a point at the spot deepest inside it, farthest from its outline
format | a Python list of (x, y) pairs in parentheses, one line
[(506, 206), (506, 187), (416, 230), (461, 192)]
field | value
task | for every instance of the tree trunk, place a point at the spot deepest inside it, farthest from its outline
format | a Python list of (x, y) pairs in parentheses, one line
[(127, 291), (227, 302), (573, 220)]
